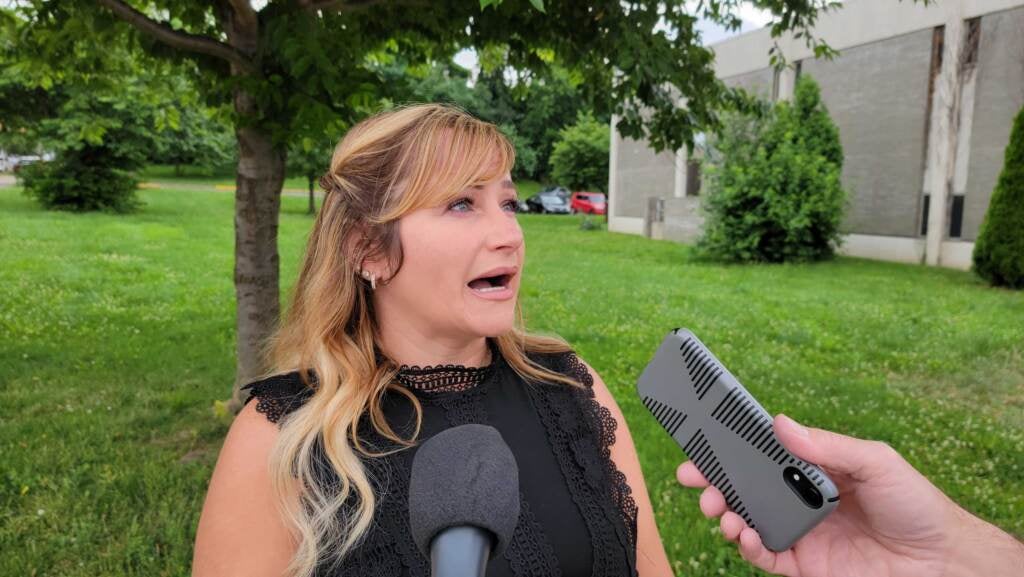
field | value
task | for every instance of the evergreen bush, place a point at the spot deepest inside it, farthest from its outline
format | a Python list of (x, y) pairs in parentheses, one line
[(999, 248), (81, 180)]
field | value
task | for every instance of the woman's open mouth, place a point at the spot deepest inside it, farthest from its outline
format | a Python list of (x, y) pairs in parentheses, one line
[(490, 283), (495, 283)]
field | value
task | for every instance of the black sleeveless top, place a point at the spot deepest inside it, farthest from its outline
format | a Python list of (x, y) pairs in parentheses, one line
[(577, 515)]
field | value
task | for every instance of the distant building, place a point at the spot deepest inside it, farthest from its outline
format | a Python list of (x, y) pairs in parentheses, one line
[(924, 98)]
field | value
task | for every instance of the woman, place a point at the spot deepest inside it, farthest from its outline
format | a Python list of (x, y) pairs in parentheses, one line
[(405, 322)]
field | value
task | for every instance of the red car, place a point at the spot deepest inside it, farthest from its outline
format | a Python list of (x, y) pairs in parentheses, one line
[(587, 202)]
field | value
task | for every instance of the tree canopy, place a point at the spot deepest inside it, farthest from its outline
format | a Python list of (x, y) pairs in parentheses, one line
[(296, 68)]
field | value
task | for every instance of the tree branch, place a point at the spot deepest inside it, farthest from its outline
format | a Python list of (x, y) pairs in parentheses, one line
[(339, 5), (246, 15), (177, 39)]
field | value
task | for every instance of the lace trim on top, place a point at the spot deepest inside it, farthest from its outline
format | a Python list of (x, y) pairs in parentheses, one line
[(565, 429), (446, 378), (442, 378), (279, 395)]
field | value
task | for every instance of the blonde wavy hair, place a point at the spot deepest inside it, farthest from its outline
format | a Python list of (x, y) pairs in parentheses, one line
[(385, 167)]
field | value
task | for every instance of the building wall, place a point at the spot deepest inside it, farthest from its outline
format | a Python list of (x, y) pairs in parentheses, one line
[(756, 81), (999, 95), (640, 173), (877, 94), (877, 91), (682, 220), (857, 22)]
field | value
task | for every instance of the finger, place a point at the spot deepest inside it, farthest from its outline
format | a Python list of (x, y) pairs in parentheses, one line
[(712, 503), (836, 452), (732, 525), (689, 476), (754, 551)]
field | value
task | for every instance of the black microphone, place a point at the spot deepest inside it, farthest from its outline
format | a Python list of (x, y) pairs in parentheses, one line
[(463, 499)]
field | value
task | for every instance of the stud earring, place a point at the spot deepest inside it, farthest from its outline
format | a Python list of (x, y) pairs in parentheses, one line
[(372, 278)]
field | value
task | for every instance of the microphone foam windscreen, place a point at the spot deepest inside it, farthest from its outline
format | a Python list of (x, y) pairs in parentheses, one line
[(465, 475)]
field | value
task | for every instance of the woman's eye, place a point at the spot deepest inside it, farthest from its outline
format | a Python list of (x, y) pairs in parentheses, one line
[(456, 206), (464, 204)]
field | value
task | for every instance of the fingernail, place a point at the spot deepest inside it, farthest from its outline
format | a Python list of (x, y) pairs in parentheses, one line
[(797, 427)]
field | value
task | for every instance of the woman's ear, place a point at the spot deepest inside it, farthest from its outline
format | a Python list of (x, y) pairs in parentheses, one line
[(375, 268), (374, 262)]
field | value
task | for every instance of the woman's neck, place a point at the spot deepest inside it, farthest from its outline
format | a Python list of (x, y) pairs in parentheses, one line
[(409, 348)]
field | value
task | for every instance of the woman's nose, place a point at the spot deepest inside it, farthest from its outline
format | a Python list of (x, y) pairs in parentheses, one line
[(504, 230)]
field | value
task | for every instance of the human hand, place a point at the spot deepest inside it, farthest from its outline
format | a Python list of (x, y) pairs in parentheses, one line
[(891, 521)]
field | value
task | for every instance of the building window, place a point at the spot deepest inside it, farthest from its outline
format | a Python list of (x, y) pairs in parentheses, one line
[(956, 216), (924, 215), (972, 33), (956, 220), (692, 177)]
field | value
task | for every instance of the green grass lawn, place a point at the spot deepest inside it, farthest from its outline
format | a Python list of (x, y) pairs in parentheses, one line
[(117, 336)]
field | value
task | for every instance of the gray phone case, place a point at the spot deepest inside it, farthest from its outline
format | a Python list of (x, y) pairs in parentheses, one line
[(729, 437)]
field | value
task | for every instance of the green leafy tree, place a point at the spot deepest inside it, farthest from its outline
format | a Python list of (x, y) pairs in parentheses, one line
[(310, 158), (99, 133), (103, 116), (491, 98), (21, 107), (550, 104), (526, 154), (190, 134), (999, 248), (100, 140), (580, 158), (22, 104), (448, 83), (290, 67), (774, 191)]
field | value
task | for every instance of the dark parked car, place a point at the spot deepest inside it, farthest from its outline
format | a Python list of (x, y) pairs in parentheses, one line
[(548, 202), (559, 190)]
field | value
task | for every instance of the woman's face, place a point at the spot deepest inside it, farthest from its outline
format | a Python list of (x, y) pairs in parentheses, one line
[(439, 291)]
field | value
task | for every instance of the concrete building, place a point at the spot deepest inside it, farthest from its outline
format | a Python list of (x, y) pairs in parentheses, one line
[(924, 98)]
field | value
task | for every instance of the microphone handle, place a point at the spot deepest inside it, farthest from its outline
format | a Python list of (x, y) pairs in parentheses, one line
[(460, 552)]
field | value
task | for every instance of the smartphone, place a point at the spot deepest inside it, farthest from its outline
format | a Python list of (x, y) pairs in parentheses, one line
[(728, 435)]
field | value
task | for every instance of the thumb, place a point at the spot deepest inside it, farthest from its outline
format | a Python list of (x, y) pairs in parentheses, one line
[(839, 453)]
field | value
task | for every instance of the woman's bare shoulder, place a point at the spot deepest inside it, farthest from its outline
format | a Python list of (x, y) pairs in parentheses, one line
[(241, 530)]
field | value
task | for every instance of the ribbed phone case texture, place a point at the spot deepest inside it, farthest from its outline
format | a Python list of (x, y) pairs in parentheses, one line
[(728, 435)]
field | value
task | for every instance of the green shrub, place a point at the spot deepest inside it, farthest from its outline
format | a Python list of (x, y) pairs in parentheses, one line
[(773, 189), (579, 160), (591, 223), (817, 131), (81, 180), (999, 248), (100, 140)]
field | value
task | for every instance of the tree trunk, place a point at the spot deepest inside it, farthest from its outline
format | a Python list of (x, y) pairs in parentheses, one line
[(312, 198), (261, 167)]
